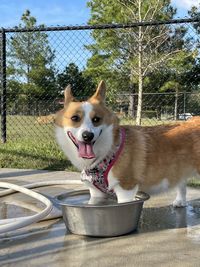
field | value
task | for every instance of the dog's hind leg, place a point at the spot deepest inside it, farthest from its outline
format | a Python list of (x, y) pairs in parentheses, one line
[(180, 200)]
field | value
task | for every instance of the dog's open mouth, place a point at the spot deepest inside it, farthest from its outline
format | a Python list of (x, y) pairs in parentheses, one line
[(85, 150)]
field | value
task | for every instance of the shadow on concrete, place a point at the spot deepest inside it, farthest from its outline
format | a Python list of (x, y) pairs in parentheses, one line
[(167, 217)]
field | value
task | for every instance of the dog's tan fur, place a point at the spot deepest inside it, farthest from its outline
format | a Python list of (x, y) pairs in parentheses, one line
[(157, 152)]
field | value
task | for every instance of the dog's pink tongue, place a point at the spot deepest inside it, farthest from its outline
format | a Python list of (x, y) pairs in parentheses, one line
[(86, 150)]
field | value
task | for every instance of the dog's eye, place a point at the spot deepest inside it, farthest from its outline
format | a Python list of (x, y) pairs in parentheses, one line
[(75, 118), (96, 119)]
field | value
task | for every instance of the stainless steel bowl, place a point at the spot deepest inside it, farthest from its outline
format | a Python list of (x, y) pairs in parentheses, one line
[(107, 218)]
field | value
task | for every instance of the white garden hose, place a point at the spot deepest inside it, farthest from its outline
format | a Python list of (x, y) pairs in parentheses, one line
[(39, 184), (7, 225)]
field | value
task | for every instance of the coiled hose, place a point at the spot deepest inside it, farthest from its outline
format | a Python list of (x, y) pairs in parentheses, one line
[(7, 225)]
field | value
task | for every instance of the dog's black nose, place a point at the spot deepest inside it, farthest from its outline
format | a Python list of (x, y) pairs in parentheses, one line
[(87, 136)]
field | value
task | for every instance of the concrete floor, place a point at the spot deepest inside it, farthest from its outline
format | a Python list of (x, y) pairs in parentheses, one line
[(166, 236)]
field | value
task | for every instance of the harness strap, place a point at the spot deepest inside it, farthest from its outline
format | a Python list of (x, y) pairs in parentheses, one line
[(123, 135), (99, 175)]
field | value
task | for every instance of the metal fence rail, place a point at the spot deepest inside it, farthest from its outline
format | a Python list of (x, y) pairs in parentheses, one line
[(36, 64)]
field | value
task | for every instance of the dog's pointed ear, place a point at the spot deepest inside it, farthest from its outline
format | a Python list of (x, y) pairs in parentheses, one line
[(100, 93), (68, 95)]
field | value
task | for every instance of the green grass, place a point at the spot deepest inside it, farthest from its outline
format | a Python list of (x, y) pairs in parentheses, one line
[(33, 154), (193, 182), (145, 121), (31, 146)]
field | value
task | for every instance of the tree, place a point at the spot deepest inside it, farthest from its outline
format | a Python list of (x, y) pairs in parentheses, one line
[(82, 84), (179, 66), (30, 61), (135, 52), (195, 81)]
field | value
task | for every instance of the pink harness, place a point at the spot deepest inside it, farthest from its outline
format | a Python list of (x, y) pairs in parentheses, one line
[(98, 176)]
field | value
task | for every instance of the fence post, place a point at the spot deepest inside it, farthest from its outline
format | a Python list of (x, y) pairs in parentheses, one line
[(3, 83)]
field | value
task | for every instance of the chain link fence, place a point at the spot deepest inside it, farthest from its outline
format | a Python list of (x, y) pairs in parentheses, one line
[(36, 65), (160, 108)]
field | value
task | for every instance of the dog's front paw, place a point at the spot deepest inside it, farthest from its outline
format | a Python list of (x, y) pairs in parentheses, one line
[(179, 203), (97, 201)]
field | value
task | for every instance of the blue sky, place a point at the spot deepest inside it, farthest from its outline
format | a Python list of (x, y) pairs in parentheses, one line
[(61, 12), (183, 6), (51, 12)]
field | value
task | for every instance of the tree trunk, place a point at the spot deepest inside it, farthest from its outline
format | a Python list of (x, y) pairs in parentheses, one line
[(140, 74), (139, 106), (140, 80), (131, 106)]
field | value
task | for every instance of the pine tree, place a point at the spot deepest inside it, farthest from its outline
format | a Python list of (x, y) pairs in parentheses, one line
[(82, 84), (136, 52), (31, 75)]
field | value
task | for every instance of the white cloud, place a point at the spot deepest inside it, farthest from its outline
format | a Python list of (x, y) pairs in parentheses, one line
[(185, 4)]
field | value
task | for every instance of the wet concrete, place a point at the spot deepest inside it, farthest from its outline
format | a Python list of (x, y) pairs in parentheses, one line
[(165, 237)]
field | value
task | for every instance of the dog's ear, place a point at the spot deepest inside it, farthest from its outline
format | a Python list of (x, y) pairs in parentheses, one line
[(100, 93), (68, 95)]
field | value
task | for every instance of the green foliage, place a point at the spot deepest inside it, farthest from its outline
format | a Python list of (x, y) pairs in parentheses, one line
[(29, 68), (166, 50), (112, 11), (195, 13), (195, 81), (115, 52), (81, 82), (178, 69), (170, 86)]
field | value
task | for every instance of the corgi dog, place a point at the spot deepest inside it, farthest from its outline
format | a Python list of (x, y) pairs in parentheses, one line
[(120, 160)]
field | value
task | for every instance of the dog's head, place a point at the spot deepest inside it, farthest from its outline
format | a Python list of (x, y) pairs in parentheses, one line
[(88, 125)]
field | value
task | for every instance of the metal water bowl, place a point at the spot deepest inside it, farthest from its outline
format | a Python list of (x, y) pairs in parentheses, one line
[(104, 218)]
